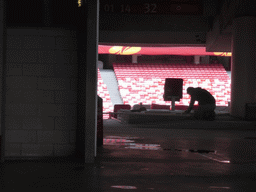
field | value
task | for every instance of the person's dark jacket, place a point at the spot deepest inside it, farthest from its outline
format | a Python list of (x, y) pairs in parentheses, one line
[(202, 96)]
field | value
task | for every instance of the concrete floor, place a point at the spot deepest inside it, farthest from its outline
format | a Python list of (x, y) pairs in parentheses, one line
[(164, 156)]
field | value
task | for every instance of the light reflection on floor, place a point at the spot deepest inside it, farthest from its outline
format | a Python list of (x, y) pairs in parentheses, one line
[(217, 157), (116, 140), (124, 187), (216, 187), (144, 146), (129, 143), (193, 159)]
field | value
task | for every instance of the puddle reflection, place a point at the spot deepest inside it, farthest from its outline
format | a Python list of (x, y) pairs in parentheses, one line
[(124, 187), (143, 146), (116, 141), (129, 143), (216, 187), (217, 157)]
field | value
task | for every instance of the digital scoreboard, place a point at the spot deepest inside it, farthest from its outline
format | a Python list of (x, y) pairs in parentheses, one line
[(162, 7)]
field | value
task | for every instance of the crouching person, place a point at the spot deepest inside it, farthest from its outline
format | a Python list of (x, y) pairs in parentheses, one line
[(206, 101)]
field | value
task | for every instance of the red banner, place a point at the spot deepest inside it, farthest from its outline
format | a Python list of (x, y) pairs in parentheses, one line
[(186, 51)]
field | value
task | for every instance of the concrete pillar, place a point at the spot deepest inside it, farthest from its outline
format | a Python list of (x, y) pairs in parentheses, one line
[(108, 60), (100, 64), (224, 61), (91, 80), (197, 59), (134, 58), (2, 75), (81, 91), (243, 64), (111, 60)]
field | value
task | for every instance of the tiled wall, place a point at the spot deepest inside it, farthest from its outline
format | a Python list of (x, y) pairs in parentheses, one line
[(41, 98)]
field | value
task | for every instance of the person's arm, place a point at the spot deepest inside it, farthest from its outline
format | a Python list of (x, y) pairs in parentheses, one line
[(191, 105)]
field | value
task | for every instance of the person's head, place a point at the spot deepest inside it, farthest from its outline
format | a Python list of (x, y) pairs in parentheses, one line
[(190, 90)]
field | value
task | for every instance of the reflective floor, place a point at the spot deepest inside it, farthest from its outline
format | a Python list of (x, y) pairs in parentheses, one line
[(165, 156)]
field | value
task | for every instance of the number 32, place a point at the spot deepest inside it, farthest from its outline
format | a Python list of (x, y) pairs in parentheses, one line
[(150, 8)]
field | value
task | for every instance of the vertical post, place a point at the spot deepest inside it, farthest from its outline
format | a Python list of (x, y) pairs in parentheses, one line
[(91, 80), (134, 58), (197, 59), (3, 37), (173, 103), (243, 64), (111, 58)]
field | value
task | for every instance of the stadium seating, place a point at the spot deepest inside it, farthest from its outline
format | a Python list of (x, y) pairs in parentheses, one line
[(144, 82), (102, 91), (117, 107), (156, 106)]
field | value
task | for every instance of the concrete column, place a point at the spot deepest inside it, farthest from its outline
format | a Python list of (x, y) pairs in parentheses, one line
[(224, 61), (243, 64), (134, 58), (108, 60), (111, 60), (2, 75), (91, 80), (197, 59)]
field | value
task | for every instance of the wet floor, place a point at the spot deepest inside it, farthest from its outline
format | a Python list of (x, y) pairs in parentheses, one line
[(154, 158), (185, 159)]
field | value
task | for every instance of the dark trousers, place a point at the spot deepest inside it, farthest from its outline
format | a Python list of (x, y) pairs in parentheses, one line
[(205, 112)]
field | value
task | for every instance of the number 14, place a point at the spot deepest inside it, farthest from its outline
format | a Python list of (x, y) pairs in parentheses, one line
[(125, 8)]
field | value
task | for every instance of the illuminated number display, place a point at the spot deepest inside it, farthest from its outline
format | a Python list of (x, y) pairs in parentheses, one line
[(187, 7)]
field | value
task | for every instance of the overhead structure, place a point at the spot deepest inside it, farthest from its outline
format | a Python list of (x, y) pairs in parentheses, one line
[(186, 51)]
